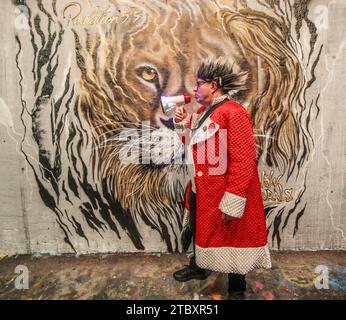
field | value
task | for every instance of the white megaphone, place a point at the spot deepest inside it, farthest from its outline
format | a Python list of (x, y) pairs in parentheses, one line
[(168, 103)]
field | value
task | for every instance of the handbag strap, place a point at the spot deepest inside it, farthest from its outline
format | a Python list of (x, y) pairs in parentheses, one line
[(209, 111)]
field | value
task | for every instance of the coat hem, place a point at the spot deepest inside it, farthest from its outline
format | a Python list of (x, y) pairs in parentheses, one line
[(232, 259)]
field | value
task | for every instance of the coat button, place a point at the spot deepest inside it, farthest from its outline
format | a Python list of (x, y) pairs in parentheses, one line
[(204, 128), (200, 173)]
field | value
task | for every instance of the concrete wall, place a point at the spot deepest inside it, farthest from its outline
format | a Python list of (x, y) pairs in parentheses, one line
[(74, 76)]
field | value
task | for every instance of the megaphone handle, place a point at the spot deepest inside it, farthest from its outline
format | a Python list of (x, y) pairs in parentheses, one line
[(180, 113)]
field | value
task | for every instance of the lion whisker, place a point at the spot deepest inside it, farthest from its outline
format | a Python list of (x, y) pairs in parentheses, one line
[(263, 135), (122, 122), (132, 129), (117, 138)]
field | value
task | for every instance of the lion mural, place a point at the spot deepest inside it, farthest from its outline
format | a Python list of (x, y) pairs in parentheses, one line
[(99, 70)]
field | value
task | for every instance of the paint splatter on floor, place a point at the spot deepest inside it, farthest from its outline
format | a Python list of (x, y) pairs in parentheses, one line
[(139, 276)]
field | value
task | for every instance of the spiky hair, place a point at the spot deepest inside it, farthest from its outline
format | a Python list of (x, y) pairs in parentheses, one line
[(228, 75)]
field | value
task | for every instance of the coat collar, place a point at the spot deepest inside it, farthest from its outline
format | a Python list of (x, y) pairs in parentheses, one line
[(205, 131)]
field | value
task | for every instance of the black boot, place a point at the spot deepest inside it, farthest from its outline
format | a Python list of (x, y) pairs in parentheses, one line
[(191, 271)]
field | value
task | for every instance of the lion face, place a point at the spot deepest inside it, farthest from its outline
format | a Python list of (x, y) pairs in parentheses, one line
[(124, 95)]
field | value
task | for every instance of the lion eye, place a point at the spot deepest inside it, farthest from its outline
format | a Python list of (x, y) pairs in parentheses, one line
[(148, 74)]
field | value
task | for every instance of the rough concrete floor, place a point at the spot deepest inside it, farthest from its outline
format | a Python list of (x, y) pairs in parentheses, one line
[(139, 276)]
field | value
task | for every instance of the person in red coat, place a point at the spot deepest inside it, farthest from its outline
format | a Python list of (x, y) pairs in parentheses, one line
[(225, 205)]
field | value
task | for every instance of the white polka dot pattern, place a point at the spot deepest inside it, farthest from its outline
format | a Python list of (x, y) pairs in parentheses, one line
[(235, 260), (232, 205)]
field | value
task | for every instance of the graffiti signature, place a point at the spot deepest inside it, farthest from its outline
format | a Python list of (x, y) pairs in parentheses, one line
[(278, 193), (72, 13)]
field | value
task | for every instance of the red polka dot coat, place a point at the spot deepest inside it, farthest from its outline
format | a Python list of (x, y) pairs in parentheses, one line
[(231, 231)]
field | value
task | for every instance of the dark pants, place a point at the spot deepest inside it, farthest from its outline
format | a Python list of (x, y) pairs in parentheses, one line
[(236, 282)]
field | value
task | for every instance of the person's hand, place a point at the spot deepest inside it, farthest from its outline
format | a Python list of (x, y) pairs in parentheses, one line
[(179, 114)]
